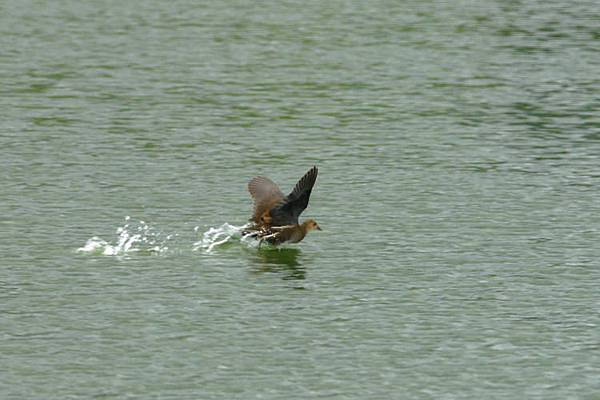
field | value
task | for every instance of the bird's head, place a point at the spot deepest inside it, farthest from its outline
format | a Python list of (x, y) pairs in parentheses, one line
[(311, 224)]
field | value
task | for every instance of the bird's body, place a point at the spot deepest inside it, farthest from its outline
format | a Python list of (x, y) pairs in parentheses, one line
[(289, 233), (275, 216)]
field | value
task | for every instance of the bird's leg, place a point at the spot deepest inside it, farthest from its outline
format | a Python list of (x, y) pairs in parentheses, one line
[(252, 230), (267, 237), (249, 234)]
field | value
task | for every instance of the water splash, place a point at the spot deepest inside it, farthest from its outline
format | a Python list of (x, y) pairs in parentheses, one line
[(140, 237), (132, 237), (225, 233)]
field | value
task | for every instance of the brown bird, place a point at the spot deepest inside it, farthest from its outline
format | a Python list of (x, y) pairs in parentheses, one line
[(275, 217)]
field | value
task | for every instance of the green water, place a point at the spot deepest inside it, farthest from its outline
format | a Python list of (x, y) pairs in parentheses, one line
[(458, 146)]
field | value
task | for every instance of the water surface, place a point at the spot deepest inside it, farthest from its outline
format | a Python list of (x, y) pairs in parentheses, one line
[(458, 149)]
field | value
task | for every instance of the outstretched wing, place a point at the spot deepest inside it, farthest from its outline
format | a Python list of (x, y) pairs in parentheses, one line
[(266, 195), (288, 212)]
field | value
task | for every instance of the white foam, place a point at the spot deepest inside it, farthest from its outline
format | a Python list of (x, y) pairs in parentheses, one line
[(214, 237), (134, 238), (140, 236)]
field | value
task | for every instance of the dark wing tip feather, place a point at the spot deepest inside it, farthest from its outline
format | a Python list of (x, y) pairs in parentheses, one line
[(305, 184)]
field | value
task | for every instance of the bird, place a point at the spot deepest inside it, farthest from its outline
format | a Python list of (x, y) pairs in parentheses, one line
[(275, 216)]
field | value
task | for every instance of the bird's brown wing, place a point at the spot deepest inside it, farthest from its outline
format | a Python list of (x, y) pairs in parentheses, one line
[(287, 212), (266, 195)]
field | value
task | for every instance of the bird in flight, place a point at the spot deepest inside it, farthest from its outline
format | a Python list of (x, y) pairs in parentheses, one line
[(275, 217)]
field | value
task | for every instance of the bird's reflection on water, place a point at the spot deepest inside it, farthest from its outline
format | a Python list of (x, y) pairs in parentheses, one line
[(281, 260)]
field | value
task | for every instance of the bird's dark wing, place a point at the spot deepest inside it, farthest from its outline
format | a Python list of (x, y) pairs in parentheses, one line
[(287, 213), (266, 195)]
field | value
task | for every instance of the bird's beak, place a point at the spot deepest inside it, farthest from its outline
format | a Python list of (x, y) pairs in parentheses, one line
[(319, 228)]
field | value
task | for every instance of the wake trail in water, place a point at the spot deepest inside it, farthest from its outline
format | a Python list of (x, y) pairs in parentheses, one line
[(225, 233), (140, 237), (131, 237)]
